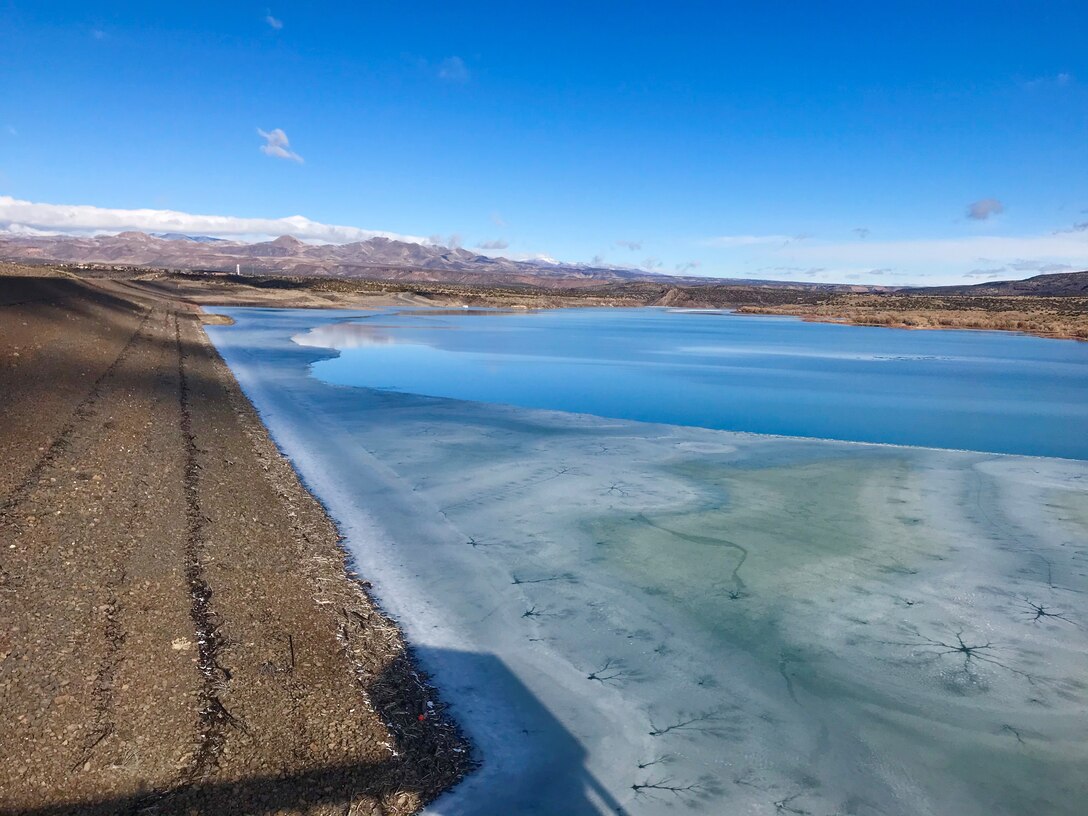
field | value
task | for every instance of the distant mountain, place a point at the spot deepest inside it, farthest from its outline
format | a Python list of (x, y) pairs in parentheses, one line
[(388, 259), (381, 258), (1062, 284), (376, 258), (177, 236)]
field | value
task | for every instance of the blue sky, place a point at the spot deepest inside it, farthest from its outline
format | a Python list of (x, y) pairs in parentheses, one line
[(842, 141)]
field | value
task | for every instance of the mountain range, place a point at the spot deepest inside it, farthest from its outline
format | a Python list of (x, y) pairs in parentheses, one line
[(381, 258), (387, 259), (376, 258)]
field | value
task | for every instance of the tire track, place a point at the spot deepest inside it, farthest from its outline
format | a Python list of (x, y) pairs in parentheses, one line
[(81, 414), (213, 715), (114, 632), (102, 695)]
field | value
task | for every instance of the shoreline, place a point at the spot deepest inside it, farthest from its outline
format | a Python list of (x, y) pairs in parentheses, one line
[(219, 580), (967, 324), (499, 529), (184, 627), (1049, 317)]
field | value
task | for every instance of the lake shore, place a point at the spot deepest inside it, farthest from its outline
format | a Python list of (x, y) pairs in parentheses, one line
[(660, 615), (1063, 317), (255, 681), (181, 628), (1055, 318)]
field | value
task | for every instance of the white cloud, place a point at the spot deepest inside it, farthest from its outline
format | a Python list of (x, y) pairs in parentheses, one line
[(792, 272), (498, 220), (277, 145), (452, 241), (687, 266), (1060, 80), (22, 216), (634, 246), (728, 241), (1040, 266), (23, 230), (496, 244), (11, 130), (535, 257), (273, 22), (984, 208), (1016, 269), (453, 69), (932, 259), (1068, 248)]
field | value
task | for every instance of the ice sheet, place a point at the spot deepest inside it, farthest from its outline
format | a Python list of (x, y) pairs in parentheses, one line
[(686, 619)]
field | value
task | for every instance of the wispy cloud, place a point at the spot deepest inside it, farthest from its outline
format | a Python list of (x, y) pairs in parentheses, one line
[(984, 208), (98, 34), (862, 232), (277, 145), (944, 259), (273, 22), (734, 241), (687, 266), (1065, 248), (634, 246), (792, 271), (727, 241), (1039, 266), (11, 130), (537, 257), (1059, 80), (452, 241), (1016, 269), (498, 220), (16, 215), (453, 69), (496, 244)]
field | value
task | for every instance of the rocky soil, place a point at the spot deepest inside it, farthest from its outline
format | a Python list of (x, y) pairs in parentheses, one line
[(182, 634)]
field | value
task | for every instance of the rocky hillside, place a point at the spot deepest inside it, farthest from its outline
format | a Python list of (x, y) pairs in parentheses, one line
[(374, 258)]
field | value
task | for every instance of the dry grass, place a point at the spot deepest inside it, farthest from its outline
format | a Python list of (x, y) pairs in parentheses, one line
[(1045, 317)]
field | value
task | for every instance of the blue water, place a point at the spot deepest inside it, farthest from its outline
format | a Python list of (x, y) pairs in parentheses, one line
[(984, 391)]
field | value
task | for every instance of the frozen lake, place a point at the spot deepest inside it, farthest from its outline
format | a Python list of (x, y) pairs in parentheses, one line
[(675, 618), (986, 391)]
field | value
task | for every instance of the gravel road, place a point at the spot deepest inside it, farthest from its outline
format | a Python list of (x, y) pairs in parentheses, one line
[(181, 632)]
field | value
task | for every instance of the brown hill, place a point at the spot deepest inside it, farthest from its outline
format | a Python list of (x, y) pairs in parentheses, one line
[(1062, 284), (374, 259)]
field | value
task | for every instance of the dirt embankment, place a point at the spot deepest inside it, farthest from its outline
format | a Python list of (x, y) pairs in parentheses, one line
[(180, 633)]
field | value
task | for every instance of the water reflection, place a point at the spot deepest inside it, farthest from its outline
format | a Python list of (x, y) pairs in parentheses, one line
[(346, 336), (963, 390)]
